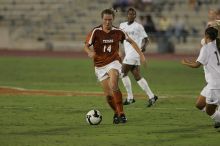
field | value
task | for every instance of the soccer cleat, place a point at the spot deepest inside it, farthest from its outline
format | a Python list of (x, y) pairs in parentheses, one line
[(123, 118), (116, 119), (128, 101), (217, 125), (152, 101)]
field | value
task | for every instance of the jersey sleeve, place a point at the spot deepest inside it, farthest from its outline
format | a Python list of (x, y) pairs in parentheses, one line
[(203, 56), (120, 26), (124, 36), (90, 38), (142, 32)]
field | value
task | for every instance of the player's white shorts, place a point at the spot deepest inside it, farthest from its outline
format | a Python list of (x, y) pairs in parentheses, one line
[(212, 95), (132, 61), (102, 72)]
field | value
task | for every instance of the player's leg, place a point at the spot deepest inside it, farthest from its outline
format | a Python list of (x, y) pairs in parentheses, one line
[(110, 99), (144, 85), (142, 82), (127, 83), (201, 103), (117, 95), (212, 102), (108, 94), (211, 109), (113, 84), (201, 99), (103, 77), (214, 114)]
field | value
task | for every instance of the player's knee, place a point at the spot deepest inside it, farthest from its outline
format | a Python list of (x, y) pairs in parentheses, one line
[(210, 112), (109, 98), (107, 93), (210, 109), (123, 74), (199, 106), (137, 78), (114, 88)]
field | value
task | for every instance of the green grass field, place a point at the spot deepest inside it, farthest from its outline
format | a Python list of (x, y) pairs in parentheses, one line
[(41, 120)]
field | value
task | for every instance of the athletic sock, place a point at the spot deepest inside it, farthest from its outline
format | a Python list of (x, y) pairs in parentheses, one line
[(117, 97), (216, 116), (127, 84), (144, 86), (111, 103), (203, 110)]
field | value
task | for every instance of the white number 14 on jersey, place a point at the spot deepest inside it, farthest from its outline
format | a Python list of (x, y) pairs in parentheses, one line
[(107, 48)]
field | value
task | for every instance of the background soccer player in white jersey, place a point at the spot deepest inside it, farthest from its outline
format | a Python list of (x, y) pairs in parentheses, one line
[(214, 21), (209, 57), (131, 60)]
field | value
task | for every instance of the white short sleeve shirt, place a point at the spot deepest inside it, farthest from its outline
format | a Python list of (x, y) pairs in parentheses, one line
[(137, 33), (209, 57)]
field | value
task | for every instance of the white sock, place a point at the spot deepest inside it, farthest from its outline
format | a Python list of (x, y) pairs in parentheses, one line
[(216, 116), (144, 85), (127, 83), (203, 110)]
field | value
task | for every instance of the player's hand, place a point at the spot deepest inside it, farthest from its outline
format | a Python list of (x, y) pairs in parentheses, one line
[(91, 54), (183, 61), (191, 63), (186, 61)]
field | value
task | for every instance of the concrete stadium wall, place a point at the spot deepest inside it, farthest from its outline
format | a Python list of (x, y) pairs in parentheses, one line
[(8, 42)]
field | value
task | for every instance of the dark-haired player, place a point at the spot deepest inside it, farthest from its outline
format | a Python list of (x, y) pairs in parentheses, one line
[(209, 57), (131, 60)]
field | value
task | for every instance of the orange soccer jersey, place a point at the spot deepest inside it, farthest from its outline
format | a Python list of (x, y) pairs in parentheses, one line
[(105, 45)]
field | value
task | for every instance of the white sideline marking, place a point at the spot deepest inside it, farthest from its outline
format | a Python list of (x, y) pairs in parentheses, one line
[(71, 93), (16, 88), (12, 107)]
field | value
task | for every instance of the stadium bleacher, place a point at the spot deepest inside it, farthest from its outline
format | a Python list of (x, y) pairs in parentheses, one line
[(56, 24)]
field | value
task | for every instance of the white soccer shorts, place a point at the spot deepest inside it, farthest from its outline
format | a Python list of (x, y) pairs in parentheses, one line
[(212, 95), (102, 72), (132, 61)]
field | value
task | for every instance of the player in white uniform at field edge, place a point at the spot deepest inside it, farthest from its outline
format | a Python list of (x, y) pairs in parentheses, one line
[(131, 60), (214, 21), (209, 57)]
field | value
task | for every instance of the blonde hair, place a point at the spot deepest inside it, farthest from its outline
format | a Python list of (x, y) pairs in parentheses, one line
[(109, 12)]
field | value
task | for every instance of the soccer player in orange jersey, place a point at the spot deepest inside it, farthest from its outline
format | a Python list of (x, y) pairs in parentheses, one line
[(105, 40)]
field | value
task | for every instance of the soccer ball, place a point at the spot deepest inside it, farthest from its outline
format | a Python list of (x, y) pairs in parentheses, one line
[(93, 117)]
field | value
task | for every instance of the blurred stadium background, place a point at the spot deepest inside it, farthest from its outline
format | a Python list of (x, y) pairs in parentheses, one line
[(63, 24), (44, 100)]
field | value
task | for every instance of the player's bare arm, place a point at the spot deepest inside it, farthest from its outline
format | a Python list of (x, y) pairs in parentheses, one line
[(138, 50), (145, 43), (191, 63), (89, 51)]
